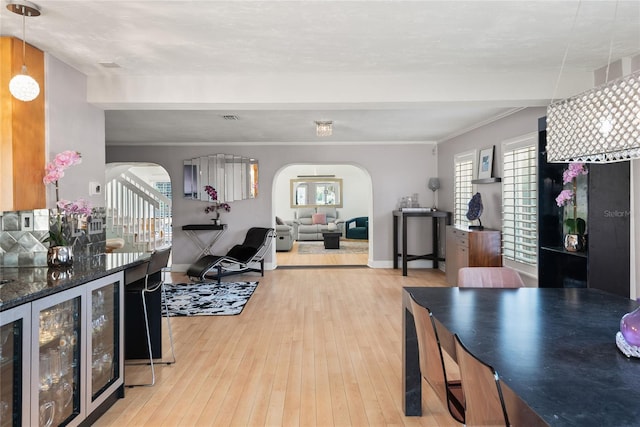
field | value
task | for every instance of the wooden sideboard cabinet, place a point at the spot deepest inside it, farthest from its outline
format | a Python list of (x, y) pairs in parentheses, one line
[(471, 248)]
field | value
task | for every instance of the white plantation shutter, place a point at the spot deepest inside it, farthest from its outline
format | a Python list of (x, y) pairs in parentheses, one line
[(519, 200), (464, 166)]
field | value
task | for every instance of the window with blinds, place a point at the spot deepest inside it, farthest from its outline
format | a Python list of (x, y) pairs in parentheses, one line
[(463, 190), (519, 200)]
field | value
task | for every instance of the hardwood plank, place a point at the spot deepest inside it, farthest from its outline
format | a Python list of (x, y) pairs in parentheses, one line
[(313, 347), (293, 258)]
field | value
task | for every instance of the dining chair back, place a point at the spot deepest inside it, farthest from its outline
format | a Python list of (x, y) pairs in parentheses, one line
[(489, 277), (484, 404), (444, 382)]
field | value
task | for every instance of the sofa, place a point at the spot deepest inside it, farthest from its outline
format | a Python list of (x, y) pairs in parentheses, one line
[(284, 235), (310, 223), (357, 228)]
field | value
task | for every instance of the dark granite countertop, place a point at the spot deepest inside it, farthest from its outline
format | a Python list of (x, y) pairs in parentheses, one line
[(20, 285)]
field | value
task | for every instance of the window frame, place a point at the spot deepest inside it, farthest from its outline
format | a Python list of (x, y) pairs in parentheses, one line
[(526, 262), (460, 201)]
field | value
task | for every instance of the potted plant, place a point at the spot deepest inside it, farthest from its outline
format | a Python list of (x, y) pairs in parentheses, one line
[(574, 238), (217, 206), (60, 252)]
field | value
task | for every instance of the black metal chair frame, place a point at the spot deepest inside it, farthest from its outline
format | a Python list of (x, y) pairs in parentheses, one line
[(154, 281), (239, 259)]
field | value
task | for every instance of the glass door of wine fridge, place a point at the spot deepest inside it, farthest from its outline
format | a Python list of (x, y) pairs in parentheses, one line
[(56, 344), (104, 353), (15, 356)]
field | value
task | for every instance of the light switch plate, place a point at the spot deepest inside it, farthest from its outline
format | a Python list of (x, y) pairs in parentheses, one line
[(95, 188), (26, 221)]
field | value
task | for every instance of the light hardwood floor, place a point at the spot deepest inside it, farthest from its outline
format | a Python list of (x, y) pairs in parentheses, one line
[(292, 257), (313, 347)]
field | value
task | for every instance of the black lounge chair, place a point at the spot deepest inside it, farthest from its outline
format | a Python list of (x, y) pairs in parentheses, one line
[(237, 260)]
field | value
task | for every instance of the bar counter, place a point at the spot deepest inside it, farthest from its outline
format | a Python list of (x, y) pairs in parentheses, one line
[(21, 285)]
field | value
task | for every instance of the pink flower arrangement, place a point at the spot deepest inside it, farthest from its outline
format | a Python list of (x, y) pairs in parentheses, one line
[(79, 207), (217, 206), (572, 172), (54, 171), (568, 196)]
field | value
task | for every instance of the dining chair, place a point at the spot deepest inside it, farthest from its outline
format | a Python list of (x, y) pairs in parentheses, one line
[(489, 277), (484, 404), (153, 282), (444, 378)]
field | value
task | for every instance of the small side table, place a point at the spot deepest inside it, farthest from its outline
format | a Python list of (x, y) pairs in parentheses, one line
[(331, 239), (205, 248), (403, 216)]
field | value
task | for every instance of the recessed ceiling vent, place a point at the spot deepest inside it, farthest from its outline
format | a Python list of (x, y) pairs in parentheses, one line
[(230, 117), (108, 64)]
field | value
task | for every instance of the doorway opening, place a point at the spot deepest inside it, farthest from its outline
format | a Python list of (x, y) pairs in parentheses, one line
[(138, 205), (306, 246)]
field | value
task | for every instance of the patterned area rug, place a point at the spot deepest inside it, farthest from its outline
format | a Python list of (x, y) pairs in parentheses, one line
[(208, 299), (346, 247)]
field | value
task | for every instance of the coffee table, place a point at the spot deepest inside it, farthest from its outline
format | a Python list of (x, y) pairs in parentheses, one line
[(331, 239)]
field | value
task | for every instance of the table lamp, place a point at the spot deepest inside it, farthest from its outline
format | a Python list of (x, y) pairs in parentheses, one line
[(434, 185)]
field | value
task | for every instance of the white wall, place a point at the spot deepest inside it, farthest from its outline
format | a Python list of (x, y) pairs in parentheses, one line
[(355, 189), (396, 171), (520, 123), (72, 124)]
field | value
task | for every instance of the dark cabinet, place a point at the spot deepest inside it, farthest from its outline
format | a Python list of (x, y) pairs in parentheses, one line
[(605, 263)]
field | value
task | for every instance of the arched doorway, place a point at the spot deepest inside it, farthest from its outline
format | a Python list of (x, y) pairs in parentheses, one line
[(356, 203), (138, 203)]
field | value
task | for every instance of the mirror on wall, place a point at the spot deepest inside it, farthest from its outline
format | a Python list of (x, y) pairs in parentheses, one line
[(234, 177), (315, 192)]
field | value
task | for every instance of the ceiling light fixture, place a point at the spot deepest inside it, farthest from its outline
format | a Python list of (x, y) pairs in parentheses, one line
[(22, 86), (600, 125), (324, 128)]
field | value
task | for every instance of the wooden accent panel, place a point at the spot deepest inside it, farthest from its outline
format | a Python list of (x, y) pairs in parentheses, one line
[(471, 248), (484, 249), (22, 147)]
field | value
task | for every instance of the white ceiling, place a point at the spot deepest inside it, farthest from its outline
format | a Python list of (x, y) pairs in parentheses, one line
[(387, 70)]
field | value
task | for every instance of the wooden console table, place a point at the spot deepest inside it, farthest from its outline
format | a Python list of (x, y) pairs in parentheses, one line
[(436, 217)]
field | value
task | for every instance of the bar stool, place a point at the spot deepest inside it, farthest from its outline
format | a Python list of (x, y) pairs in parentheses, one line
[(154, 281)]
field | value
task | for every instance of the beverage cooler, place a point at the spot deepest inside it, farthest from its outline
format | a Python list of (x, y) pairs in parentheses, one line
[(59, 361), (15, 358), (77, 348), (104, 346)]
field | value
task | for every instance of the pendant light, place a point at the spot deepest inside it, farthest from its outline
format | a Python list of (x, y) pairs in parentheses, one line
[(22, 86)]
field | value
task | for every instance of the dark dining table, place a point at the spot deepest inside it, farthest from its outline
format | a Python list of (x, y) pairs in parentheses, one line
[(554, 350)]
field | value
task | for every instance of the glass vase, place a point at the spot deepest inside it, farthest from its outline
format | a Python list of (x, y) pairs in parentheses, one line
[(630, 327), (573, 242)]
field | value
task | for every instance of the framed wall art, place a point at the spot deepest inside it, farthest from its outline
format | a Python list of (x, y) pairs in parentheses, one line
[(485, 163)]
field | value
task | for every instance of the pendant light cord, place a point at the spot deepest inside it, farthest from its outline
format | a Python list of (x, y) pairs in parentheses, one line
[(571, 34), (566, 51), (24, 34), (615, 17)]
